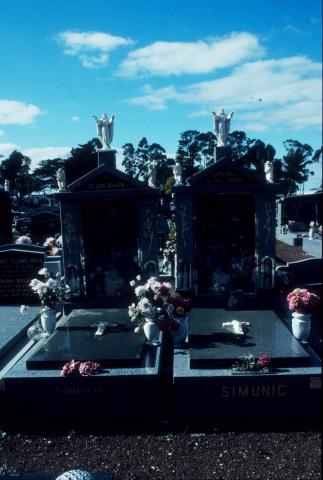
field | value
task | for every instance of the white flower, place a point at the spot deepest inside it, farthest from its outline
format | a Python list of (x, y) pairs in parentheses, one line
[(45, 272), (51, 284), (137, 330), (132, 283), (140, 291), (48, 241), (138, 277), (34, 283), (23, 309)]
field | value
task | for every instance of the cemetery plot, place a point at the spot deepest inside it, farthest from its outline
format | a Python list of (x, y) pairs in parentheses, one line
[(211, 346), (75, 339)]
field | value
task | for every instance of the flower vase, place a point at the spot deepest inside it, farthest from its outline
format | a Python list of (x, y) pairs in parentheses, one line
[(48, 319), (301, 325), (151, 331), (179, 335)]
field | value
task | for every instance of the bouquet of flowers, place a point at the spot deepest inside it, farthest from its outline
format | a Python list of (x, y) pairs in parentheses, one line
[(157, 303), (50, 291), (249, 363), (53, 245), (300, 300), (24, 240)]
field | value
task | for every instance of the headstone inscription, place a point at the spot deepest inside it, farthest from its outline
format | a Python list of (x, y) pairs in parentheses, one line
[(19, 264), (211, 346)]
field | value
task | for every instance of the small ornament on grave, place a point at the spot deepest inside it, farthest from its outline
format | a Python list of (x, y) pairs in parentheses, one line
[(236, 327)]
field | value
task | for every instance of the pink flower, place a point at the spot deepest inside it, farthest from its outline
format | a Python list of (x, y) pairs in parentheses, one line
[(84, 369), (264, 360), (302, 301), (89, 368)]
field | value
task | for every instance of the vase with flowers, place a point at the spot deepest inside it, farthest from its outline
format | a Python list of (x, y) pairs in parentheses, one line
[(159, 308), (302, 302), (52, 293)]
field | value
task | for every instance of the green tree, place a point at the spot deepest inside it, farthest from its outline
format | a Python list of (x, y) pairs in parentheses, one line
[(142, 159), (257, 154), (189, 152), (240, 144), (83, 159), (295, 164), (16, 169), (44, 176), (207, 142), (129, 159)]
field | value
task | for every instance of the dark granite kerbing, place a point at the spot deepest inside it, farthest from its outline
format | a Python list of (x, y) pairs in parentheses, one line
[(211, 346)]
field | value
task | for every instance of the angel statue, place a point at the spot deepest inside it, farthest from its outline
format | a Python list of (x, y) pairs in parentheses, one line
[(222, 126), (105, 130)]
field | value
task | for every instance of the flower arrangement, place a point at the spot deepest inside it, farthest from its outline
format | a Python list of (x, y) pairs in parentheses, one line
[(53, 245), (300, 300), (157, 303), (249, 363), (50, 291), (24, 240), (84, 369)]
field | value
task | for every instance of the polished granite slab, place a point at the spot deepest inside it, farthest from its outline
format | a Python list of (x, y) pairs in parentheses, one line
[(75, 339), (211, 346)]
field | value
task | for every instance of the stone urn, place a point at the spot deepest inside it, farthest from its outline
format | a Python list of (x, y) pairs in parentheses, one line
[(48, 319), (301, 326)]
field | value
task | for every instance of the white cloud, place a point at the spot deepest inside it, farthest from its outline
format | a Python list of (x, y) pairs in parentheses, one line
[(92, 48), (289, 89), (45, 153), (36, 154), (255, 127), (293, 29), (7, 148), (177, 58), (18, 113), (75, 118)]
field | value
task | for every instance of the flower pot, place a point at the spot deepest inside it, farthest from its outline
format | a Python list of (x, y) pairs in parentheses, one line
[(152, 332), (179, 335), (301, 325), (48, 319)]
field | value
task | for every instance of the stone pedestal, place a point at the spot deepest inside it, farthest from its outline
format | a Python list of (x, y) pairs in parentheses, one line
[(222, 153), (107, 157)]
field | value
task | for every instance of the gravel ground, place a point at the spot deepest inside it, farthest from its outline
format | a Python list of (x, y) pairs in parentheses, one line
[(294, 455), (290, 253)]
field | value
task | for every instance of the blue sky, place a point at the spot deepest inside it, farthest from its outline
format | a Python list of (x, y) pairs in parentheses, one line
[(161, 67)]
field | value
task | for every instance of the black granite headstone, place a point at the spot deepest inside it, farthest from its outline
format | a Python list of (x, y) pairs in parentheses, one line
[(19, 264), (211, 346), (75, 339)]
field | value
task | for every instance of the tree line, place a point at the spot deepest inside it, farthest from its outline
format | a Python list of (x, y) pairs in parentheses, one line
[(195, 151)]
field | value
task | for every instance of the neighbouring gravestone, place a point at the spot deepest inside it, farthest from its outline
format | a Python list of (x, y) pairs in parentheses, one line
[(19, 264)]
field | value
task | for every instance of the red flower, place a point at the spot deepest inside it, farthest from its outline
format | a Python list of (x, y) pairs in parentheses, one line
[(264, 360)]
